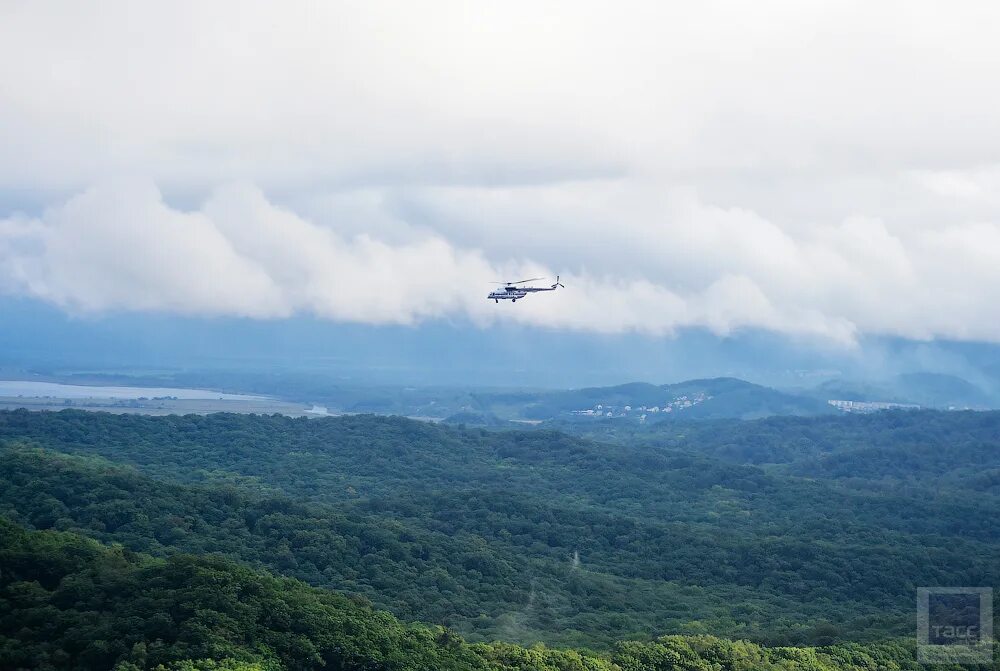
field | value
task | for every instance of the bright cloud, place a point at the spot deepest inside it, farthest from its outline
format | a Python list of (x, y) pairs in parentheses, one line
[(806, 167), (119, 246)]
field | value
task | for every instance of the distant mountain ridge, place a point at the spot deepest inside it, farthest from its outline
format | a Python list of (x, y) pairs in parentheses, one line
[(930, 390), (713, 398)]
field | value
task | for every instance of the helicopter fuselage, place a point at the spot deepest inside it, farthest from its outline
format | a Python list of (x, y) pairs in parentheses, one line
[(507, 294)]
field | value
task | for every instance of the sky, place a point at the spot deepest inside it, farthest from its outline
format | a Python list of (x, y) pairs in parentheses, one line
[(820, 171)]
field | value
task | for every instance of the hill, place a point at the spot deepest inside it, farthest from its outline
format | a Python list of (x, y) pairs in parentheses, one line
[(929, 390), (68, 603), (694, 399), (530, 535), (938, 450)]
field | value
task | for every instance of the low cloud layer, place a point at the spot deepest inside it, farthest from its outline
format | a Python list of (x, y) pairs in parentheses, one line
[(120, 247), (815, 169), (678, 263)]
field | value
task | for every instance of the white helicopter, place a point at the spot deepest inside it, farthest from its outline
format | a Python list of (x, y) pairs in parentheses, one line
[(511, 292)]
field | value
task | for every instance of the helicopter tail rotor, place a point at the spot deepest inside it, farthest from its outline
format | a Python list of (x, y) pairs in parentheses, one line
[(558, 284)]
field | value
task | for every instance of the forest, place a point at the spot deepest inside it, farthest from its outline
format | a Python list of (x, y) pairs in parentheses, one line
[(603, 543), (67, 602)]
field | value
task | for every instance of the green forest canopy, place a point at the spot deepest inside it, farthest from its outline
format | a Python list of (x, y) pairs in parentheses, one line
[(477, 530), (68, 603)]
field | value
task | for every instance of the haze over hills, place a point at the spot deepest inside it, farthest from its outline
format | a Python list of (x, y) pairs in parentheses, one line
[(293, 355), (935, 390), (318, 394), (693, 399)]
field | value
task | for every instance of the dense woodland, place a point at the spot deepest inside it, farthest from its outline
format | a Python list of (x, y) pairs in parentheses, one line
[(68, 603), (735, 529), (933, 449)]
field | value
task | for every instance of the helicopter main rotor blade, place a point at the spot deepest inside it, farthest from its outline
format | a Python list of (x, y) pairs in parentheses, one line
[(533, 279)]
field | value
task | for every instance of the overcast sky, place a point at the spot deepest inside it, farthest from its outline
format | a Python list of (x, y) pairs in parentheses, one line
[(826, 169)]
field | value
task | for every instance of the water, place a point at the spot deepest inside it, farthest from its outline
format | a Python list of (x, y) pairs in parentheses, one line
[(31, 389)]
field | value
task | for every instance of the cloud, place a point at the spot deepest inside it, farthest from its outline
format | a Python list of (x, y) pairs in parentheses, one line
[(312, 95), (803, 167), (118, 246)]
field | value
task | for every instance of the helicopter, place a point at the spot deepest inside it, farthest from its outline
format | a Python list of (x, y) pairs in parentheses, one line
[(511, 291)]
